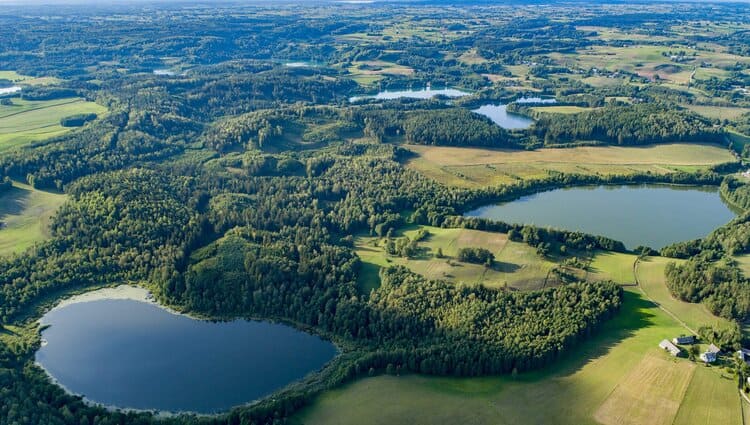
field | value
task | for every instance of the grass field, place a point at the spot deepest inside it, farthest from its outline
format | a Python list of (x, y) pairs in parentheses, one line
[(619, 376), (27, 80), (718, 112), (25, 213), (477, 167), (651, 275), (517, 265), (28, 121), (561, 109)]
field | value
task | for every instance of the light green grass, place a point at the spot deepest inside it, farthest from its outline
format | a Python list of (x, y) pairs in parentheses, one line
[(26, 213), (652, 281), (571, 392), (28, 121), (480, 167), (561, 109), (516, 264), (718, 112), (28, 80), (612, 266)]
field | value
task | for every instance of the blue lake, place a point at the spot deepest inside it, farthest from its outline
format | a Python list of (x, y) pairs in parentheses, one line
[(651, 215), (134, 354)]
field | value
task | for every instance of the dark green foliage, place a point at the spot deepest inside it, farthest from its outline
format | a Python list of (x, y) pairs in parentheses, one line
[(77, 120), (476, 256), (627, 125), (721, 287), (453, 127)]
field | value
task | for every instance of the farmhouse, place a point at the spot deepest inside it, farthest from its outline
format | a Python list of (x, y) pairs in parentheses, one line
[(684, 340), (711, 354), (668, 346)]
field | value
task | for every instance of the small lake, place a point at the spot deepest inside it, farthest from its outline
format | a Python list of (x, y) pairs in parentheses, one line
[(541, 100), (9, 90), (651, 215), (500, 116), (134, 354), (425, 93)]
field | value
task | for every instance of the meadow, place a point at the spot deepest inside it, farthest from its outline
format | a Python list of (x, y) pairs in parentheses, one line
[(619, 376), (25, 213), (28, 121), (517, 265), (478, 167)]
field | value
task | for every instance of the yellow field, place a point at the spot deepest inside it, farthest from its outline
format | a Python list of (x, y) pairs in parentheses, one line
[(517, 265), (477, 167), (629, 404)]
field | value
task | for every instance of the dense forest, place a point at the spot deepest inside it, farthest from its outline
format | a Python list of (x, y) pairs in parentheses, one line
[(231, 181)]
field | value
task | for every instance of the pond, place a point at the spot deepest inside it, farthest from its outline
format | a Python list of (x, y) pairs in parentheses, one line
[(9, 90), (425, 93), (131, 353), (539, 100), (165, 72), (500, 116), (651, 215)]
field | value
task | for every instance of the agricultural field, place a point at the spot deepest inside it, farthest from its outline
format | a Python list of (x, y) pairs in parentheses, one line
[(618, 377), (28, 121), (517, 265), (25, 213), (477, 167), (718, 112), (369, 72)]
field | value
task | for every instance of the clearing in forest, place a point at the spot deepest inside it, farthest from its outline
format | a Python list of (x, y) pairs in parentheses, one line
[(25, 214), (517, 265), (27, 121)]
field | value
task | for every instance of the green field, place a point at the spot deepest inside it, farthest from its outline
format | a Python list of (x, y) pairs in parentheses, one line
[(28, 121), (718, 112), (516, 264), (618, 377), (478, 167), (25, 213), (561, 109), (28, 80), (652, 282)]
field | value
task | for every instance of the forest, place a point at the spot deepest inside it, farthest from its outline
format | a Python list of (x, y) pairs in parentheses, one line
[(232, 176)]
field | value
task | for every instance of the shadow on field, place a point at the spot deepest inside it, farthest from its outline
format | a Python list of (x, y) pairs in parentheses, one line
[(13, 202), (635, 313)]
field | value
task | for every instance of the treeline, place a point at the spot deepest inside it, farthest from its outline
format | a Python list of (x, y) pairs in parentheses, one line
[(721, 287), (77, 120), (627, 125), (453, 127), (423, 326)]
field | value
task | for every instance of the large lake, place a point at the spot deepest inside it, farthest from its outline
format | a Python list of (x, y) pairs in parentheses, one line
[(134, 354), (425, 93), (655, 216)]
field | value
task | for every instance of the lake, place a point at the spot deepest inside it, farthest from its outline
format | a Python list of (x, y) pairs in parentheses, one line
[(9, 90), (500, 116), (651, 215), (425, 93), (134, 354)]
